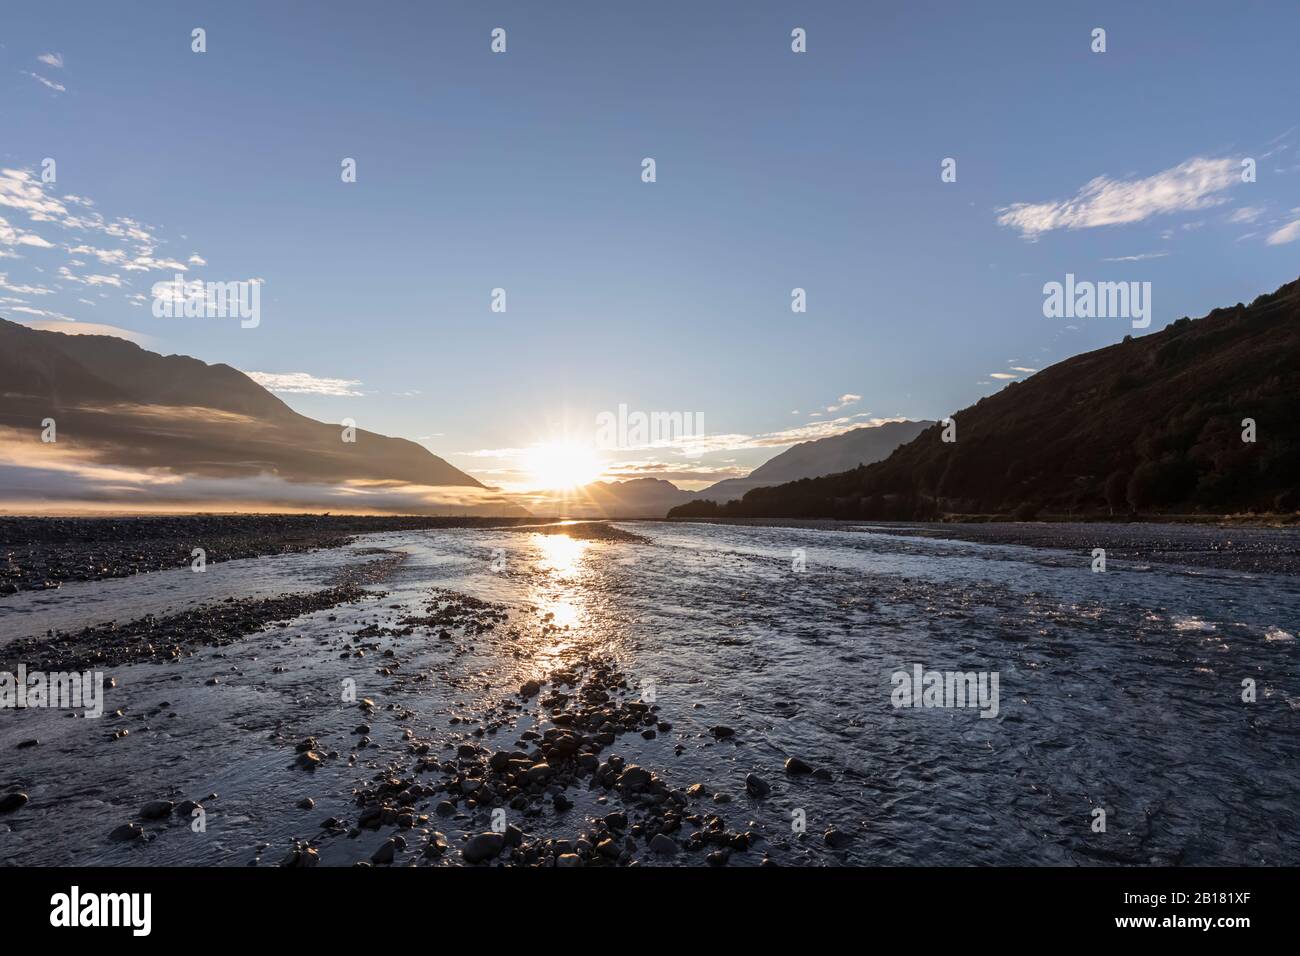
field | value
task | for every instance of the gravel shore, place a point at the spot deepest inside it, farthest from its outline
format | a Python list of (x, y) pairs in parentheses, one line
[(45, 552)]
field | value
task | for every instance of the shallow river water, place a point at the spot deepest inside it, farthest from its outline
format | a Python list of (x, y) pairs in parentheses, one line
[(1119, 691)]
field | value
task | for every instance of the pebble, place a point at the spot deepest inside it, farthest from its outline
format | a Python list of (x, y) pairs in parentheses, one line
[(756, 786), (437, 844)]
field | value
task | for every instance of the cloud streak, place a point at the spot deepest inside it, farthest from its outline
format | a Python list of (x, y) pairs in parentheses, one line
[(50, 84), (304, 383), (1195, 184), (1288, 233)]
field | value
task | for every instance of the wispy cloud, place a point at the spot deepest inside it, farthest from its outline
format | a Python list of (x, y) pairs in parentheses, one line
[(17, 236), (1288, 233), (91, 328), (22, 289), (707, 444), (1194, 184), (845, 401), (122, 243), (56, 87), (114, 280), (733, 441), (52, 59), (43, 313), (304, 383), (1140, 257), (668, 471)]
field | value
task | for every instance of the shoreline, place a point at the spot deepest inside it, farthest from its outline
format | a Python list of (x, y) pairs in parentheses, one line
[(1256, 549), (38, 553)]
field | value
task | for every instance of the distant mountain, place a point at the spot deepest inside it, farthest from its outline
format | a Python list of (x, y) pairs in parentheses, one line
[(122, 405), (1150, 424), (654, 497), (824, 456), (635, 498)]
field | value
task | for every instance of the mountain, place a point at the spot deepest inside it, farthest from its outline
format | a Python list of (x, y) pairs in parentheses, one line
[(824, 456), (1153, 424), (654, 497), (635, 498), (117, 404)]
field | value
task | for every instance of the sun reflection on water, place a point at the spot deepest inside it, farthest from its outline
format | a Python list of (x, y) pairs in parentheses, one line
[(560, 553), (562, 613)]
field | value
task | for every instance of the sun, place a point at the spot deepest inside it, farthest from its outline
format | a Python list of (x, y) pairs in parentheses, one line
[(561, 466)]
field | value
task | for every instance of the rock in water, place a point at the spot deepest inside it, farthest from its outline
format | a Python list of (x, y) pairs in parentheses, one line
[(437, 844), (309, 760), (385, 853), (127, 831), (634, 777), (838, 839), (663, 845), (12, 801), (483, 846), (157, 809), (795, 765)]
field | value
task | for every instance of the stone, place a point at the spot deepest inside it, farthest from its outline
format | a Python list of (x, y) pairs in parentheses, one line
[(12, 801), (157, 809), (385, 853), (127, 831), (634, 778), (663, 845), (483, 846), (837, 839)]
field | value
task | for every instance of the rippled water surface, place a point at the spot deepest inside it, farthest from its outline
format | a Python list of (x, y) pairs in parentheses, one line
[(1121, 691)]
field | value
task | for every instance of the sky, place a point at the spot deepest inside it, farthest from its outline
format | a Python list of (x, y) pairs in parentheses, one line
[(523, 171)]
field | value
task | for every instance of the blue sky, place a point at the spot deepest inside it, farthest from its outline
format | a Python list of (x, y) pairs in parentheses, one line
[(522, 171)]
